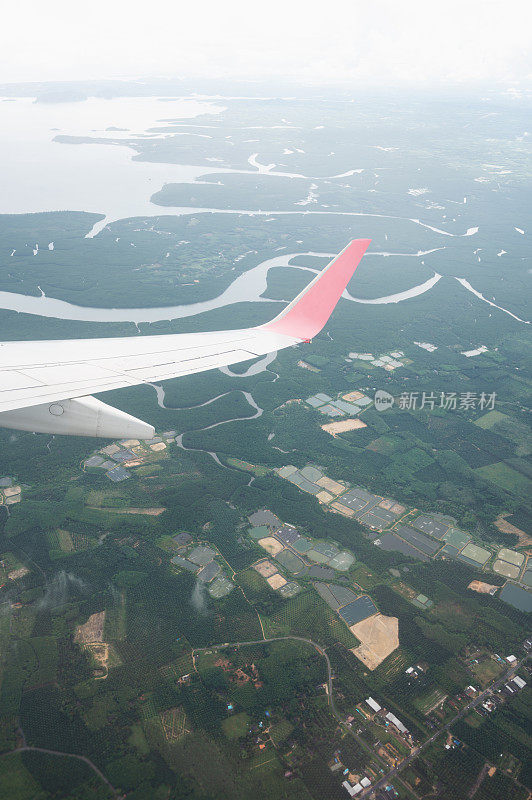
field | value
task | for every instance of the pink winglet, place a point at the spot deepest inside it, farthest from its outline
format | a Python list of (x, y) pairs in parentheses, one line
[(309, 312)]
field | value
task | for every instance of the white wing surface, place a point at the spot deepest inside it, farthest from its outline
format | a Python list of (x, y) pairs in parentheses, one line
[(46, 386)]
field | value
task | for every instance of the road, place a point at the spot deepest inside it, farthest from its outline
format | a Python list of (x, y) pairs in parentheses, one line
[(386, 779), (394, 772), (25, 749), (330, 695), (321, 651)]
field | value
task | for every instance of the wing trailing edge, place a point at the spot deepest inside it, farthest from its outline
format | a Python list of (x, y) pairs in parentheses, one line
[(46, 386)]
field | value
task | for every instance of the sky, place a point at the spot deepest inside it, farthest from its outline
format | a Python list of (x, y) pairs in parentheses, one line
[(365, 42)]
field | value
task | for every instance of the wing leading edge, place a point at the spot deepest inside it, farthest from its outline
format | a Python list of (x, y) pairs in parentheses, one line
[(45, 386)]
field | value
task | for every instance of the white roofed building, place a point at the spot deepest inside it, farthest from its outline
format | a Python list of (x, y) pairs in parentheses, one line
[(352, 790), (373, 704), (397, 722)]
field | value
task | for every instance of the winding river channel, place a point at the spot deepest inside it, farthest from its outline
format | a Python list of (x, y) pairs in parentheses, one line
[(42, 173), (246, 288), (248, 396)]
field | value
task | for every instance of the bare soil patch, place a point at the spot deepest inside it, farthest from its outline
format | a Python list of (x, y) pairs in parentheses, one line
[(271, 545), (334, 428), (378, 636), (276, 581), (324, 497), (482, 588), (352, 397), (151, 512), (506, 527), (17, 573), (265, 568), (92, 631), (345, 510), (332, 486), (90, 637)]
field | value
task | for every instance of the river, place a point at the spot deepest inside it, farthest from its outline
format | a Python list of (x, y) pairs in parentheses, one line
[(179, 438), (246, 288), (40, 174)]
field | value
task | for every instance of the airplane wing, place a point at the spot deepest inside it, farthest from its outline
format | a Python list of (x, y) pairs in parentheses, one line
[(46, 386)]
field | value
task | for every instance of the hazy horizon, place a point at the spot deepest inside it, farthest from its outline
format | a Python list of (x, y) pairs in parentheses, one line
[(360, 43)]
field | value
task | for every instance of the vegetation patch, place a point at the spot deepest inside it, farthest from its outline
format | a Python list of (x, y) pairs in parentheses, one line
[(236, 726), (506, 478), (174, 724)]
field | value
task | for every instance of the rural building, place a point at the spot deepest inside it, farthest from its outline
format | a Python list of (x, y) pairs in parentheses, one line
[(352, 790), (373, 704), (397, 722)]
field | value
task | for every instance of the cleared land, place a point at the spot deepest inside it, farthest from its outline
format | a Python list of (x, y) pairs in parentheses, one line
[(65, 541), (482, 588), (15, 574), (324, 497), (506, 527), (256, 469), (347, 512), (391, 505), (90, 637), (334, 428), (236, 725), (428, 702), (332, 486), (378, 637), (353, 396), (271, 545), (92, 630), (151, 512), (276, 581), (486, 671), (265, 568)]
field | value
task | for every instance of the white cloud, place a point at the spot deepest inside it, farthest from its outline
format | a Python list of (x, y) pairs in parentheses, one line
[(366, 41)]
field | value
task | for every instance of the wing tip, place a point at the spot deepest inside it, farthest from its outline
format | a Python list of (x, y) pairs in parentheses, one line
[(309, 312)]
